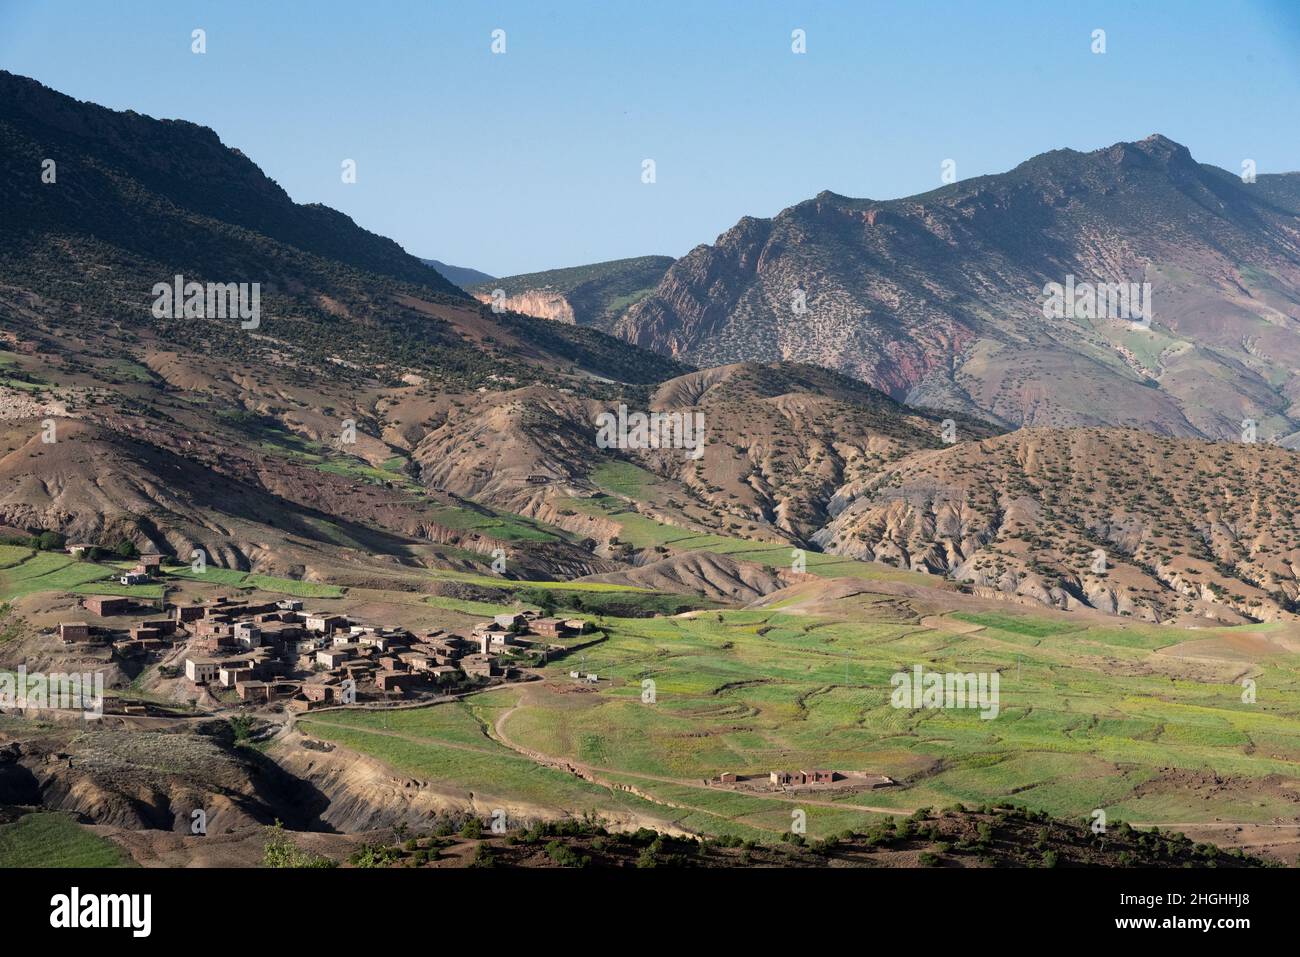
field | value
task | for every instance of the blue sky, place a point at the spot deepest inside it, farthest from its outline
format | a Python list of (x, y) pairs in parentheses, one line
[(532, 159)]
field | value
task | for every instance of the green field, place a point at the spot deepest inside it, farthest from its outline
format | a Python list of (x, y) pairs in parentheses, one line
[(51, 839), (447, 743), (1083, 721), (1090, 716), (26, 574), (233, 578)]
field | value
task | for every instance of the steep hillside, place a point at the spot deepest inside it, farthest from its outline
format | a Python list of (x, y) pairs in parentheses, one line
[(779, 442), (938, 298), (283, 446), (1156, 528), (136, 201), (782, 439)]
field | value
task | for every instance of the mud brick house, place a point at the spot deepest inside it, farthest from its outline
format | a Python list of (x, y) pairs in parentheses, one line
[(481, 665), (211, 643), (450, 646), (295, 645), (144, 632), (333, 657), (320, 691), (187, 613), (358, 670), (384, 640), (549, 627), (106, 605), (254, 690), (151, 562), (325, 622), (213, 627), (396, 681), (416, 661), (74, 631)]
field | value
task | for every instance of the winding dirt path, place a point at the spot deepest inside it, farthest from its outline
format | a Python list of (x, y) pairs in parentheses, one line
[(591, 773)]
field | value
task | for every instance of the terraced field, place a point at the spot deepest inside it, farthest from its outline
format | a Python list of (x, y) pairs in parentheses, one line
[(234, 578), (24, 572), (1090, 717)]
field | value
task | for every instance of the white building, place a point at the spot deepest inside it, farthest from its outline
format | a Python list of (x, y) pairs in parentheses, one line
[(201, 670), (248, 635)]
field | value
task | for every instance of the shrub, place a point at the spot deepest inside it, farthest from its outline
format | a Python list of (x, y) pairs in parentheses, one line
[(281, 851)]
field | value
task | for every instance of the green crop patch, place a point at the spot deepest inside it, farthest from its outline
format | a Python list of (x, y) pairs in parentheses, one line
[(51, 839)]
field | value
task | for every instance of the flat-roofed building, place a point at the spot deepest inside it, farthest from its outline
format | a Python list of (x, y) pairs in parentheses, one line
[(201, 670), (70, 631), (107, 605)]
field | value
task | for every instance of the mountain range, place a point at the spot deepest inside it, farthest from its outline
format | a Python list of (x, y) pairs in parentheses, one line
[(938, 299), (921, 413)]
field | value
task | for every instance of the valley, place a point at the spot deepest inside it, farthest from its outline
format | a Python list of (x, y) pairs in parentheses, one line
[(907, 480)]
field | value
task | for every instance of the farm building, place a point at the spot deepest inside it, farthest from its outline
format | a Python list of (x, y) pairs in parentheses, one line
[(105, 605), (74, 631)]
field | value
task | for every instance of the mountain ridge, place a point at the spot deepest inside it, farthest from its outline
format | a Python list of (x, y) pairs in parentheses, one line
[(937, 298)]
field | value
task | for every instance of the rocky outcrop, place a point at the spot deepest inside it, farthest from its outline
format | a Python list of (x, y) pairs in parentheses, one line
[(542, 303)]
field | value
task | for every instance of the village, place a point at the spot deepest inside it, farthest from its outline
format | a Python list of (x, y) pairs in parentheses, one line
[(276, 652)]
